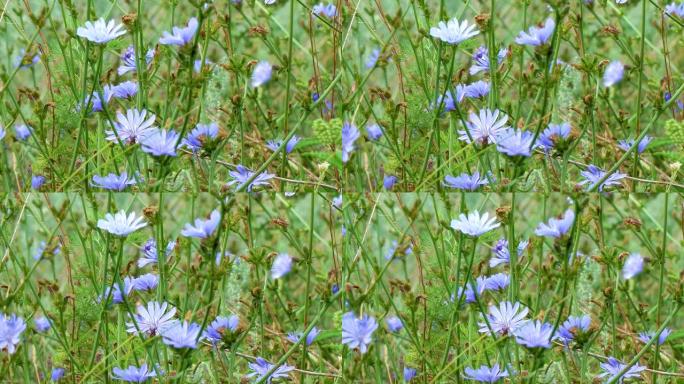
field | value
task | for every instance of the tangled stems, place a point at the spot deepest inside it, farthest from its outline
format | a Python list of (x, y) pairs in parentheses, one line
[(457, 302), (87, 105), (287, 87), (309, 258), (635, 359), (281, 148), (551, 57), (573, 242), (661, 276), (302, 339), (640, 81), (494, 68), (643, 134)]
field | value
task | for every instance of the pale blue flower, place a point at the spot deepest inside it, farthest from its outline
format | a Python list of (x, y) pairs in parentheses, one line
[(534, 334), (128, 60), (121, 224), (11, 328), (150, 253), (465, 181), (153, 319), (453, 31), (180, 36), (310, 338), (472, 291), (118, 291), (477, 89), (261, 73), (392, 251), (613, 367), (42, 324), (573, 326), (242, 174), (146, 282), (133, 127), (447, 102), (37, 181), (99, 99), (409, 374), (505, 319), (388, 181), (217, 329), (125, 90), (473, 224), (485, 374), (536, 36), (556, 227), (328, 10), (647, 336), (481, 59), (515, 142), (42, 247), (675, 9), (634, 265), (22, 131), (133, 374), (373, 131), (260, 367), (349, 135), (394, 324), (357, 333), (553, 134), (203, 228), (593, 174), (373, 58), (199, 135), (625, 145), (100, 32), (113, 182), (282, 265), (57, 374), (273, 145), (497, 282), (181, 335), (613, 74), (502, 254), (22, 61), (484, 127), (160, 143)]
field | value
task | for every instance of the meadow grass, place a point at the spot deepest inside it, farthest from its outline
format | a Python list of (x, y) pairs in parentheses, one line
[(363, 94), (396, 259), (382, 191)]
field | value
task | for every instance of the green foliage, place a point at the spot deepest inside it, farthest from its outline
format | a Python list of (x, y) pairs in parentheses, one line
[(675, 131), (328, 132)]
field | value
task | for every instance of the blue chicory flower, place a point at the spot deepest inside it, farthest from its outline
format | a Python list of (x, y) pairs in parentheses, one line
[(100, 32), (613, 74), (473, 224), (536, 36), (262, 73), (454, 31), (242, 174), (282, 265), (357, 333), (180, 35)]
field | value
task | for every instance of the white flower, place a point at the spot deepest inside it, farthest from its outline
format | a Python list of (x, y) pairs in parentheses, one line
[(485, 127), (100, 32), (474, 224), (119, 224), (453, 31)]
